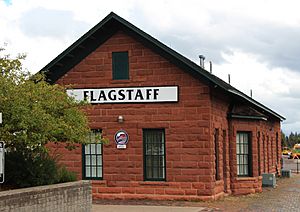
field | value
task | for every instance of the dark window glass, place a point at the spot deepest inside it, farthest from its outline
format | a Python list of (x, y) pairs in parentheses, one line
[(154, 154), (276, 153), (92, 157), (216, 141), (258, 153), (243, 154), (120, 65)]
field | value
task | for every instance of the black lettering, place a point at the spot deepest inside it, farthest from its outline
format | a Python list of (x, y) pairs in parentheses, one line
[(129, 91), (85, 95), (102, 96), (92, 96), (155, 93), (112, 96), (121, 95), (148, 93), (139, 95)]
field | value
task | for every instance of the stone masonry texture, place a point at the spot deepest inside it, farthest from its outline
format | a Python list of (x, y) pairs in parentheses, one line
[(64, 197)]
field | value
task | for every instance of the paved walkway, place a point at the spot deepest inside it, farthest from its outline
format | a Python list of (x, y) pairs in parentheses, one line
[(285, 197), (143, 208)]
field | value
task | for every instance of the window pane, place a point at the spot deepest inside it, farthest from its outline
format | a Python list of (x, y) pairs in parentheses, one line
[(245, 148), (99, 148), (87, 149), (246, 170), (94, 157), (149, 174), (246, 138), (87, 171), (87, 160), (241, 138), (93, 149), (161, 161), (99, 160), (162, 149), (245, 159), (156, 149), (94, 171), (99, 171), (149, 149), (148, 162)]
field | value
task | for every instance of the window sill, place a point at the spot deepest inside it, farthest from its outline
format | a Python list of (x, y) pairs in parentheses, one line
[(120, 81), (246, 178), (98, 182), (154, 183)]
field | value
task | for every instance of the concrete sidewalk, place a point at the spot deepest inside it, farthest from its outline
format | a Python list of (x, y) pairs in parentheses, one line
[(143, 208)]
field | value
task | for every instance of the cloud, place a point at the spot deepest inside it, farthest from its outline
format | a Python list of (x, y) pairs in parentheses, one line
[(274, 43), (42, 22), (257, 42)]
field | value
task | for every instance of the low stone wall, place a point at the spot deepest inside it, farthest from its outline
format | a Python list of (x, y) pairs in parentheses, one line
[(73, 196)]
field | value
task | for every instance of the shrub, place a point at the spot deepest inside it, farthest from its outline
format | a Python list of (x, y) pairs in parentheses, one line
[(31, 169), (25, 169), (64, 175)]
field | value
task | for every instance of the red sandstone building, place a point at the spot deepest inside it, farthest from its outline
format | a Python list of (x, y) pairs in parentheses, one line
[(182, 132)]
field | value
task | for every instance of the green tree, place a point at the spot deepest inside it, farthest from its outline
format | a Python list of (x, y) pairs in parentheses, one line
[(35, 113), (284, 142)]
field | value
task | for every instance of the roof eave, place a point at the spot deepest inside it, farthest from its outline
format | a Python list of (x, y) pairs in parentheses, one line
[(257, 104)]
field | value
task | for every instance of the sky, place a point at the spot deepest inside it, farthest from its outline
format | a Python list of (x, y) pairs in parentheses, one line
[(257, 42)]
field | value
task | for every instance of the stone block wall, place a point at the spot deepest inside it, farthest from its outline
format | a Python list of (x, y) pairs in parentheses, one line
[(64, 197), (189, 163)]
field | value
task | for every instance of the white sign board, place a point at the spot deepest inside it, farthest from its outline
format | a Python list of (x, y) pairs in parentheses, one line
[(121, 146), (126, 95), (0, 118)]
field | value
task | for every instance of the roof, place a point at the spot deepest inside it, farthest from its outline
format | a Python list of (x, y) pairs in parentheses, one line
[(110, 25)]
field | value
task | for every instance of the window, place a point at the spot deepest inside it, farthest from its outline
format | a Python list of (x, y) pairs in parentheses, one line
[(92, 157), (276, 154), (243, 154), (224, 155), (267, 151), (216, 141), (154, 154), (120, 65), (258, 153), (272, 151), (264, 152)]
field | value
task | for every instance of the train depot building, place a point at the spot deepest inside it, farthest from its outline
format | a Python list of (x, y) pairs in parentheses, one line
[(176, 131)]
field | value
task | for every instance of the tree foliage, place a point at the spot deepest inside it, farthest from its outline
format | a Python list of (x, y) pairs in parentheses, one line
[(35, 112), (290, 140)]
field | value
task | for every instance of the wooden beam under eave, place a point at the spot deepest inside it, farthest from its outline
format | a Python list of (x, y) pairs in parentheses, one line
[(59, 64)]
